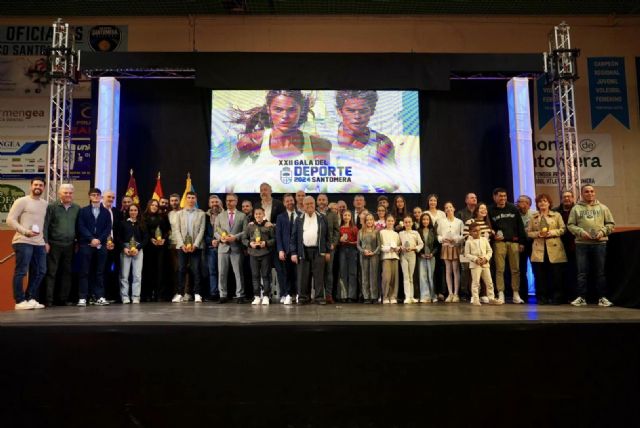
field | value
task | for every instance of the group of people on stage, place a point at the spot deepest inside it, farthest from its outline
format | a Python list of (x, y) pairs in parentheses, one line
[(306, 239)]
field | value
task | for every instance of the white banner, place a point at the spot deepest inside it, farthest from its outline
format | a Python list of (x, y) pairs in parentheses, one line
[(596, 160), (22, 158), (24, 117)]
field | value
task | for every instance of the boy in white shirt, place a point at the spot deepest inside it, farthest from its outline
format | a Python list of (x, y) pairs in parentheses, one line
[(478, 251)]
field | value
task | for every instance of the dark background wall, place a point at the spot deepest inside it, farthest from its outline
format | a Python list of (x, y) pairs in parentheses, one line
[(165, 126)]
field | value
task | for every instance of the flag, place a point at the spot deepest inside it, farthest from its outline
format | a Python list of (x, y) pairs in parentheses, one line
[(132, 189), (157, 192), (188, 187)]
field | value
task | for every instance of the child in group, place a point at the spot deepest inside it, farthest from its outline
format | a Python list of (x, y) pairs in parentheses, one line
[(390, 247), (260, 240), (133, 237), (478, 251), (381, 222), (427, 260), (450, 236), (369, 247), (411, 243), (348, 259)]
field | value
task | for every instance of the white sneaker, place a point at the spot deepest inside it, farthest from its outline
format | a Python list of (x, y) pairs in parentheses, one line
[(484, 299), (449, 298), (408, 301), (35, 305), (23, 306), (256, 300), (282, 299), (287, 300), (516, 298), (393, 301), (455, 299), (102, 302), (475, 301), (501, 296), (603, 301), (187, 297), (177, 299), (425, 301), (579, 301), (434, 300), (197, 298), (386, 301), (265, 300), (82, 302), (496, 302), (126, 301), (136, 300)]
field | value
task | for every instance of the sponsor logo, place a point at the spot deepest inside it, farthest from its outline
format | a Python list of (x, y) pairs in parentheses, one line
[(8, 195), (104, 38)]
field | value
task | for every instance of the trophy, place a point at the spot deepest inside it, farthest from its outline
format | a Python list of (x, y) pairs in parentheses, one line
[(499, 234), (133, 251), (188, 242), (407, 246), (345, 237), (256, 235), (544, 226), (158, 233), (35, 228), (594, 234)]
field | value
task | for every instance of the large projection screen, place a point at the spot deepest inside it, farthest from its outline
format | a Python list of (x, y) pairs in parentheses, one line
[(334, 141)]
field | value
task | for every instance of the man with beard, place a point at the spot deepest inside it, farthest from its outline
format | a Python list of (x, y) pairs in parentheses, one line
[(211, 245), (272, 209), (26, 217), (284, 230)]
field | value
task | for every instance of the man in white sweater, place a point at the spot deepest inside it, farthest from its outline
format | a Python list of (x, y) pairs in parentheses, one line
[(26, 217)]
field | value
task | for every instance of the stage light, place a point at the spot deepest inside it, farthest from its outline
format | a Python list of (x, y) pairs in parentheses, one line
[(107, 134)]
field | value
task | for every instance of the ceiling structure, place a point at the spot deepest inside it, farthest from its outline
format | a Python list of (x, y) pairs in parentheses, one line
[(316, 7)]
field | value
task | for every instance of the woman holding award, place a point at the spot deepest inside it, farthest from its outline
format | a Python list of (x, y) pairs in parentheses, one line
[(158, 229), (133, 237), (547, 253), (450, 235)]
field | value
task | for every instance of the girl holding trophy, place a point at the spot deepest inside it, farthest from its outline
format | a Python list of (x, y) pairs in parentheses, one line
[(132, 238)]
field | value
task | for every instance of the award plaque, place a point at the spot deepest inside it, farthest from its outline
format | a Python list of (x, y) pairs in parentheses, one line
[(158, 233), (188, 242), (132, 247), (544, 226)]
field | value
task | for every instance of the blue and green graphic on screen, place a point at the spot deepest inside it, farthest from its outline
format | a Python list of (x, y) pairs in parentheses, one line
[(331, 141)]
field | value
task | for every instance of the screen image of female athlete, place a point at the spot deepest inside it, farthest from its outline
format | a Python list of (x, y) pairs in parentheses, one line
[(272, 141)]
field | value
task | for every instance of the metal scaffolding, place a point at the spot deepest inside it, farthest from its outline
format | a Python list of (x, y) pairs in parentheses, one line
[(561, 72), (62, 68)]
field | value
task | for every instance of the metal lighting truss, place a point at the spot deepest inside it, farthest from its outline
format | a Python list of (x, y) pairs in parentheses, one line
[(62, 68), (561, 71)]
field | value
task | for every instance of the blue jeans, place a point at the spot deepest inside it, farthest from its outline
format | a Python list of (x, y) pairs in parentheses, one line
[(192, 261), (32, 258), (591, 256), (348, 272), (87, 255), (212, 262), (128, 263), (427, 288)]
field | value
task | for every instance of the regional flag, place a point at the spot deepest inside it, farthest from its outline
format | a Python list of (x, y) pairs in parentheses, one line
[(187, 188), (157, 192), (132, 189)]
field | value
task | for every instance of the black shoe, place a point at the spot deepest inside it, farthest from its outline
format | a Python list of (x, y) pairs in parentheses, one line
[(302, 301), (223, 300), (241, 300), (214, 298)]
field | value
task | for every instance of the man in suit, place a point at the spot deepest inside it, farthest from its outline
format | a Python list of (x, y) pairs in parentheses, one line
[(333, 223), (189, 238), (112, 266), (284, 229), (228, 230), (310, 251), (93, 230)]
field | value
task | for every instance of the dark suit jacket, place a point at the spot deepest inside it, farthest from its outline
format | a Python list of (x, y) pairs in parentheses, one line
[(277, 208), (283, 232), (323, 236), (89, 227)]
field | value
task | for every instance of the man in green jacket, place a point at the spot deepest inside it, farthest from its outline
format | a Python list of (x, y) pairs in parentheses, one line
[(59, 237), (591, 222)]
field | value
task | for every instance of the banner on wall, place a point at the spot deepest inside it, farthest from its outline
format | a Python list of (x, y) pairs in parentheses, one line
[(28, 40), (544, 95), (9, 192), (608, 90), (24, 117), (596, 160), (81, 157)]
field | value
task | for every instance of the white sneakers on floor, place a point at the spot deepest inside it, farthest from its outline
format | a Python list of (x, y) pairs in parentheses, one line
[(197, 298), (501, 296), (136, 300), (187, 297), (28, 305), (82, 302), (256, 300), (484, 299), (177, 299), (287, 300), (265, 300), (517, 299), (603, 301), (126, 300)]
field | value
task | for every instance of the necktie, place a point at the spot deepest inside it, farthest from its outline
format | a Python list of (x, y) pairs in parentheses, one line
[(231, 215), (291, 223)]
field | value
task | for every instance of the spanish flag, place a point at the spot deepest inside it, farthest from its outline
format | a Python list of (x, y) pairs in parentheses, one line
[(132, 189), (187, 188), (157, 192)]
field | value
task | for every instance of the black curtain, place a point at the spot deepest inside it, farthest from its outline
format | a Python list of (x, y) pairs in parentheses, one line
[(165, 125)]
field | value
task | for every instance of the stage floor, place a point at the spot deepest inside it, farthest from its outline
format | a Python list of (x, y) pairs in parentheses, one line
[(349, 314)]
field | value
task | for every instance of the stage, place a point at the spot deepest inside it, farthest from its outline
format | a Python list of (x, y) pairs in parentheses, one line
[(349, 365)]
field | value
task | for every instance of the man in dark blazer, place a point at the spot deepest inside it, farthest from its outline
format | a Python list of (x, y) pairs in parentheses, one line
[(272, 209), (228, 230), (93, 230), (284, 230), (310, 250)]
